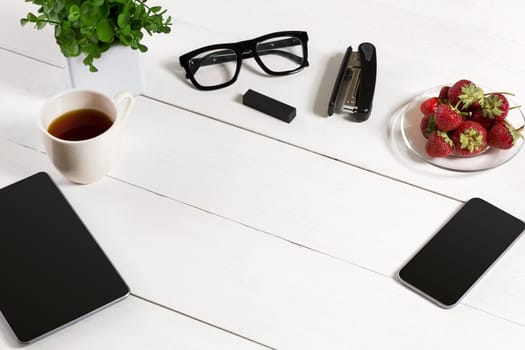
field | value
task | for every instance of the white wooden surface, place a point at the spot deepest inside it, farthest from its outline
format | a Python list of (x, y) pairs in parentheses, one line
[(235, 230)]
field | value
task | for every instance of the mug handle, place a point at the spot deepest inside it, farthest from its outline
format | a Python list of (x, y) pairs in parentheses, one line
[(124, 102)]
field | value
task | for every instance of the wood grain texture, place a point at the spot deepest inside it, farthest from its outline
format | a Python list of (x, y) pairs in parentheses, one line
[(408, 63), (38, 44), (248, 282), (284, 191), (345, 212), (414, 51), (264, 228), (133, 324)]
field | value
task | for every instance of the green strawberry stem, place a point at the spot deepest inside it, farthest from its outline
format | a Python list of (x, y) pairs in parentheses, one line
[(514, 107), (499, 92), (457, 110), (471, 139), (515, 133)]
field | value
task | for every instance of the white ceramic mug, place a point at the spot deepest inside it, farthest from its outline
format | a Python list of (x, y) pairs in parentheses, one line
[(88, 160)]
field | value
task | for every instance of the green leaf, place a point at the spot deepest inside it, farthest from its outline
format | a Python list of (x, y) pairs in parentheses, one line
[(58, 30), (40, 24), (126, 30), (127, 8), (155, 9), (31, 17), (88, 60), (88, 14), (70, 50), (126, 39), (83, 42), (123, 20), (74, 13), (139, 12), (105, 31), (59, 5), (103, 10)]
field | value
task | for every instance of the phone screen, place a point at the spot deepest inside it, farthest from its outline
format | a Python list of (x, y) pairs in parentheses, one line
[(451, 262)]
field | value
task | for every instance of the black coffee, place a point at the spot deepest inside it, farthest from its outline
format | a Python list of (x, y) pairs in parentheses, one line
[(80, 124)]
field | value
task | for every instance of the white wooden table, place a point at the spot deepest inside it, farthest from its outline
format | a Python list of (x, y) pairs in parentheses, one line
[(237, 231)]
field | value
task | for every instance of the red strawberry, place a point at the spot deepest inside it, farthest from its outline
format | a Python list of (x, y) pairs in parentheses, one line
[(439, 144), (503, 135), (429, 105), (464, 94), (477, 116), (427, 125), (443, 93), (447, 118), (496, 106), (469, 139)]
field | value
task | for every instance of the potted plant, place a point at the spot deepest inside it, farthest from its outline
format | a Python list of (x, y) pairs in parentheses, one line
[(89, 28)]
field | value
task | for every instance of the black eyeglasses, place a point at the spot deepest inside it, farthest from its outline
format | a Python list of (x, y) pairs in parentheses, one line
[(216, 66)]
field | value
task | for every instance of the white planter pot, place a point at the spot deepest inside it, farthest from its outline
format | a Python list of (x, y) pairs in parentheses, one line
[(119, 69)]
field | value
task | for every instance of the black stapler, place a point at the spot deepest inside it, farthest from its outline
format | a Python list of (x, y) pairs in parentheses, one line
[(354, 86)]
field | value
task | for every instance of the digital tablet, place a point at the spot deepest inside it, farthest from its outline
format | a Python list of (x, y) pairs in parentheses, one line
[(460, 253), (52, 271)]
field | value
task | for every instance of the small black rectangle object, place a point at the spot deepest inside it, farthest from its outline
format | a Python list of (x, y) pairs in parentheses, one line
[(457, 256), (53, 272), (269, 106)]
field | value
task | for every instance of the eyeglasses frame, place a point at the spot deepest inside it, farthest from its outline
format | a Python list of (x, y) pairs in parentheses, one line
[(245, 49)]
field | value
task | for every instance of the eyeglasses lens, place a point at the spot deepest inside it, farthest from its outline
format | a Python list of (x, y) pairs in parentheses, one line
[(214, 67), (281, 54)]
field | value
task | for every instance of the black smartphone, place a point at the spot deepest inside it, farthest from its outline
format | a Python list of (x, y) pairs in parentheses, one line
[(458, 255)]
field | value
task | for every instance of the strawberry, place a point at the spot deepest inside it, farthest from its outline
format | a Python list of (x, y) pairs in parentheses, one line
[(439, 144), (443, 93), (477, 116), (429, 105), (469, 138), (447, 118), (496, 106), (427, 125), (464, 94), (503, 135)]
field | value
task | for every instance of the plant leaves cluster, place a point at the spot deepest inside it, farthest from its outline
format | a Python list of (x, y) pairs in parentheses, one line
[(90, 27)]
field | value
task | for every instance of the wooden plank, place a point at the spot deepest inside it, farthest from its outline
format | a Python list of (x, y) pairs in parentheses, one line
[(251, 283), (309, 90), (134, 324), (39, 44), (287, 192), (351, 214)]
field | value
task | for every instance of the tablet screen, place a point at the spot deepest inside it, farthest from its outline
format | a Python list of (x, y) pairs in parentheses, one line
[(52, 271)]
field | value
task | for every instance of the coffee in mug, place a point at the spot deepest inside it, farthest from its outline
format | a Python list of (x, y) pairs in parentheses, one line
[(81, 130), (80, 124)]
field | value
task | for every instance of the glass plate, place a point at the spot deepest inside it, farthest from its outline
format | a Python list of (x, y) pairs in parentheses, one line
[(489, 159)]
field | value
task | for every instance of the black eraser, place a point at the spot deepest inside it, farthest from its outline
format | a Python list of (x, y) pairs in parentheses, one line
[(268, 105)]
